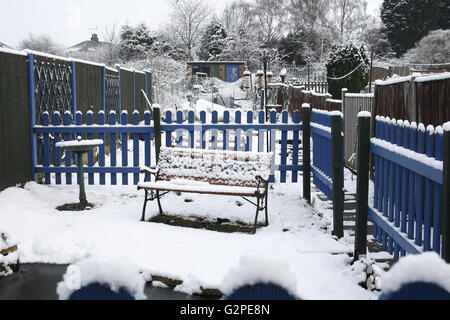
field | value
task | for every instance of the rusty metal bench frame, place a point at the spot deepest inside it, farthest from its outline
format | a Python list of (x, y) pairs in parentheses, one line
[(261, 194)]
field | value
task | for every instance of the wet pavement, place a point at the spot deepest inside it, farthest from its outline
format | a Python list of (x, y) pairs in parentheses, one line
[(39, 281)]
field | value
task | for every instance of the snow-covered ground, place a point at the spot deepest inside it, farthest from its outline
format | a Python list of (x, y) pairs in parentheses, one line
[(298, 235)]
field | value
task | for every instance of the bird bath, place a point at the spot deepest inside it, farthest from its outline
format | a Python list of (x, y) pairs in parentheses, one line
[(79, 147)]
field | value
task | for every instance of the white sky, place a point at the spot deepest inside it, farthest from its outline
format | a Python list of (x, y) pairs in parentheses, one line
[(70, 22)]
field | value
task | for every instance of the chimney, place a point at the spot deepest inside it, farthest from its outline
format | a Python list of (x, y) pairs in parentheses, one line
[(94, 38)]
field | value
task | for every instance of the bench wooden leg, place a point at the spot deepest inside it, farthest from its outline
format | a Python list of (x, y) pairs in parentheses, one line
[(145, 205)]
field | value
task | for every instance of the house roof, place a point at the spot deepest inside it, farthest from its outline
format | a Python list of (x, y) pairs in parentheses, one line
[(89, 45)]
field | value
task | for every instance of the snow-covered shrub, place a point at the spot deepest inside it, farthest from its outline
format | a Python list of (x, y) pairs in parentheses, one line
[(433, 48), (347, 67)]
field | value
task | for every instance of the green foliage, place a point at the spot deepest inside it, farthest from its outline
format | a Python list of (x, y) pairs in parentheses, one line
[(343, 59), (408, 21), (135, 42), (213, 41)]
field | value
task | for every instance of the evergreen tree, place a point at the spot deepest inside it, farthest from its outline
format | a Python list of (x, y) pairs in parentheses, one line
[(408, 21), (343, 59), (213, 41), (135, 42)]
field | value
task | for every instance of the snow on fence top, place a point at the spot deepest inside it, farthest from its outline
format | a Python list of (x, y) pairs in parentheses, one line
[(12, 51), (436, 77), (364, 114), (359, 95)]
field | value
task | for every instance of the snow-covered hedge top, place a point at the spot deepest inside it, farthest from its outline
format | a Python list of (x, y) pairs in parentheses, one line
[(214, 166), (253, 269), (427, 267), (112, 272), (65, 144)]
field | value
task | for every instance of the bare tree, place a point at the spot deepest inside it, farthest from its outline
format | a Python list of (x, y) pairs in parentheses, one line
[(110, 34), (41, 43), (187, 20), (270, 19), (347, 18)]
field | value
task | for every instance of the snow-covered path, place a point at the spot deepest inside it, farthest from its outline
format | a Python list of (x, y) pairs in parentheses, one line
[(315, 263)]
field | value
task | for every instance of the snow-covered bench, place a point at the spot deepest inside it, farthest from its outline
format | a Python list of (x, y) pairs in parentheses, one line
[(218, 172)]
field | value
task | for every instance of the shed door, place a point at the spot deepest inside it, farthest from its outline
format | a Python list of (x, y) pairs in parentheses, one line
[(232, 72)]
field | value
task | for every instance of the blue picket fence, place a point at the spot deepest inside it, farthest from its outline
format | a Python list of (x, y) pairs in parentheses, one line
[(406, 208), (322, 166), (248, 131)]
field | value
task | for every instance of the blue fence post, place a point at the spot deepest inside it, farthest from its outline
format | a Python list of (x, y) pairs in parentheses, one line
[(32, 105), (446, 191), (73, 87), (306, 144)]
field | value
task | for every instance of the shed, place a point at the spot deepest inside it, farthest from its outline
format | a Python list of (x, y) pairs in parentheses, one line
[(229, 71)]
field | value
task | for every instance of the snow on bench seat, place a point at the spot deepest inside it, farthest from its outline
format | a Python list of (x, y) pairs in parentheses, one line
[(190, 186)]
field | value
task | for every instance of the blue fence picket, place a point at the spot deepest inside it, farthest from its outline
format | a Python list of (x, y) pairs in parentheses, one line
[(179, 120), (249, 139), (101, 149), (202, 130), (191, 119), (67, 137), (112, 144), (295, 146), (226, 134), (214, 133), (261, 138), (57, 151), (284, 120), (168, 132), (135, 122), (90, 136), (124, 141), (147, 139), (408, 163), (46, 145)]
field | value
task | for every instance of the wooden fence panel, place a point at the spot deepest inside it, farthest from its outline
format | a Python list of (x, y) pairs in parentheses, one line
[(15, 129)]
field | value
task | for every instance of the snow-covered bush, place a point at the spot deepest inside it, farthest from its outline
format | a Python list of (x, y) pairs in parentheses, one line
[(433, 48), (347, 67)]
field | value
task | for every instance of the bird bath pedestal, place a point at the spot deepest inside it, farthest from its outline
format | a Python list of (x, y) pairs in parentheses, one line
[(79, 147)]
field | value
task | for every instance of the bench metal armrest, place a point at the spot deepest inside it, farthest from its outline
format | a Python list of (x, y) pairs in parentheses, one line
[(150, 171), (261, 179)]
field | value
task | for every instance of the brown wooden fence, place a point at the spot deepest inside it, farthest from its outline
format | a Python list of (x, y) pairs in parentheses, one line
[(420, 99)]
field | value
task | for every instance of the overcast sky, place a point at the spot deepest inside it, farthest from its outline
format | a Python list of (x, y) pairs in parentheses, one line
[(70, 22)]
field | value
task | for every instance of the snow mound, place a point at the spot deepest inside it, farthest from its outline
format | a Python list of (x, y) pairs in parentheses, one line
[(253, 268), (427, 267), (113, 272)]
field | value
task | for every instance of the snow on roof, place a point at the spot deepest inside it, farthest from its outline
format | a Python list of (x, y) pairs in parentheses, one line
[(425, 267)]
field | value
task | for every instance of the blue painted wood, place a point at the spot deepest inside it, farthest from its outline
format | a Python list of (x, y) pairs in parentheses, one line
[(226, 135), (284, 119), (124, 141), (147, 141), (392, 232), (67, 137), (203, 130), (437, 199), (411, 184), (112, 143), (398, 177), (78, 123), (405, 173), (237, 133), (46, 145), (249, 138), (135, 147), (168, 132), (32, 111), (428, 202), (101, 148), (295, 143), (272, 145), (214, 133), (179, 138), (57, 151), (90, 136), (420, 191), (191, 119)]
